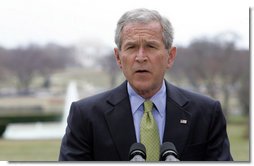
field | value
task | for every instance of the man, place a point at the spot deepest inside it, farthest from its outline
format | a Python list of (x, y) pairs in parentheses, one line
[(103, 127)]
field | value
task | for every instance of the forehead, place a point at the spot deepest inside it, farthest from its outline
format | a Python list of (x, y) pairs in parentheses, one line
[(150, 30)]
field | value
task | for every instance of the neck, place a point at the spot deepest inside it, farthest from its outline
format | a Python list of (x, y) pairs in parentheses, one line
[(147, 94)]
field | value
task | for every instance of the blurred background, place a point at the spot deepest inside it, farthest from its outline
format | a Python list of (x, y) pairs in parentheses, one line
[(54, 52)]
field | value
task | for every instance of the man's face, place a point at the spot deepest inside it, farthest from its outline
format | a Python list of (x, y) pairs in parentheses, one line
[(143, 57)]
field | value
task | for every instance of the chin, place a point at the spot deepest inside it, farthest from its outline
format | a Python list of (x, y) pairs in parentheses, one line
[(142, 86)]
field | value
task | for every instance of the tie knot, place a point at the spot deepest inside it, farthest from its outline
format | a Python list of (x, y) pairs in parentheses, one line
[(148, 106)]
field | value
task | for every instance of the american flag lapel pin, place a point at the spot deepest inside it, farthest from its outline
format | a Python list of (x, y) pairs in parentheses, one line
[(183, 121)]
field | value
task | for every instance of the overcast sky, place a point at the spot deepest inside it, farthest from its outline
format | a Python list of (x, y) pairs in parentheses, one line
[(69, 21)]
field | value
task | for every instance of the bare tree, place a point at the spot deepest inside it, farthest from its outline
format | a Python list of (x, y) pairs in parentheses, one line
[(108, 64), (54, 58), (3, 70), (26, 63), (243, 91), (21, 63), (198, 65)]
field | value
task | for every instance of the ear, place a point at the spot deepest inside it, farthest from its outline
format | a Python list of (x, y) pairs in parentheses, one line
[(172, 55), (117, 57)]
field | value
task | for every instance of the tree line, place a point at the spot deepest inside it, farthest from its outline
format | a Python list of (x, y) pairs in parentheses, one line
[(20, 65), (219, 69), (215, 66)]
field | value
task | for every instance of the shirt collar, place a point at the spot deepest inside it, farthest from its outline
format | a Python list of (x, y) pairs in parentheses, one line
[(159, 99), (135, 99)]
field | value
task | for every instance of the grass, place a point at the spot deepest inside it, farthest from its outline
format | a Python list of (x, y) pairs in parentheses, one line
[(48, 150), (29, 150), (238, 133), (240, 145)]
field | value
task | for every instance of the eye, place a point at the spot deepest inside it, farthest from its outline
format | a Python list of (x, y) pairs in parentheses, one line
[(129, 47), (151, 46)]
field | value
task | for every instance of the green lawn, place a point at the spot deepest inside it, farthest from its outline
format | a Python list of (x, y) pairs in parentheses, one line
[(239, 144), (48, 150), (29, 150)]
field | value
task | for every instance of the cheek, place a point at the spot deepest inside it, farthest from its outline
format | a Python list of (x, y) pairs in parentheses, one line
[(127, 60), (122, 60), (162, 63), (166, 62), (124, 64)]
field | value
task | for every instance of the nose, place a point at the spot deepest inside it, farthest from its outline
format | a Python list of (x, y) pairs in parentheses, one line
[(141, 56)]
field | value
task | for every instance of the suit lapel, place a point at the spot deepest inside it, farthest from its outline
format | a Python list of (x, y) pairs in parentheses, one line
[(178, 120), (121, 125), (120, 121)]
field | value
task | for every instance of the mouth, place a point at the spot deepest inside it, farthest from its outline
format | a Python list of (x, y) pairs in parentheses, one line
[(142, 71)]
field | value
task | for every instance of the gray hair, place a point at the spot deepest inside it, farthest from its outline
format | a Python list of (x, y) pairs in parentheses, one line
[(145, 16)]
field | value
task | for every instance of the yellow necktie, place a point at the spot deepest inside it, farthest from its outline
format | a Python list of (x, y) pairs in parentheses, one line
[(149, 135)]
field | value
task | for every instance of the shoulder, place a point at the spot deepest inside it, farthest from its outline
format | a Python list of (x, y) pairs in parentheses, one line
[(94, 99), (204, 109), (184, 96), (199, 105), (103, 100)]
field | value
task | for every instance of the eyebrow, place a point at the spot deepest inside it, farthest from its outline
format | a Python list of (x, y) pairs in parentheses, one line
[(129, 43), (146, 42), (152, 42)]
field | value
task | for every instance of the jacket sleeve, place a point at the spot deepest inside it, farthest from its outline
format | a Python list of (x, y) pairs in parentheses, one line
[(76, 144), (218, 143)]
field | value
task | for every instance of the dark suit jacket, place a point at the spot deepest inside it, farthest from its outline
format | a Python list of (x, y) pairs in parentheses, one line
[(101, 127)]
